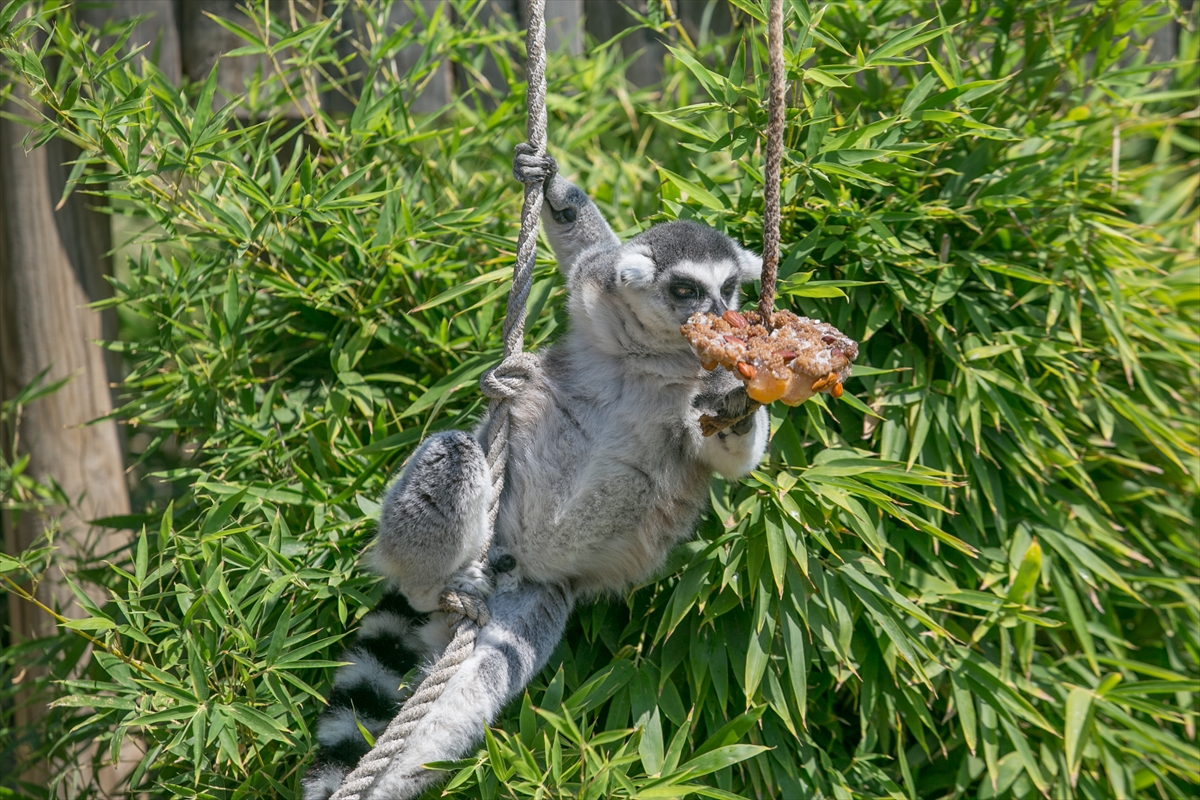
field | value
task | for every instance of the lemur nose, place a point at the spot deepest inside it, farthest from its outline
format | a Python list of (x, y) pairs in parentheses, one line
[(717, 306)]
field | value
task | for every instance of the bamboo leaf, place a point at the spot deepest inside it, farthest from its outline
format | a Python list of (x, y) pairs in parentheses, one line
[(1077, 728), (650, 747), (720, 758)]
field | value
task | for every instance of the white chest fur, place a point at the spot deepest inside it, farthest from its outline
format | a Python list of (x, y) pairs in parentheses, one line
[(604, 473)]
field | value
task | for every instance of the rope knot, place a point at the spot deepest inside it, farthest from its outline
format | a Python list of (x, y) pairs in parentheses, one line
[(505, 380), (465, 604)]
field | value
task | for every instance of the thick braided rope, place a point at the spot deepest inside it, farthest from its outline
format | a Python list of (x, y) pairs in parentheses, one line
[(504, 381), (469, 613), (359, 782), (771, 177)]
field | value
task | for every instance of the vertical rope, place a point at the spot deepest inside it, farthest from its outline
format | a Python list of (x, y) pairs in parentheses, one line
[(535, 134), (531, 212), (771, 176), (468, 614)]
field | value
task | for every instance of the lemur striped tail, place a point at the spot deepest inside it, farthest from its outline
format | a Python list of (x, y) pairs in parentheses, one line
[(368, 691), (527, 623)]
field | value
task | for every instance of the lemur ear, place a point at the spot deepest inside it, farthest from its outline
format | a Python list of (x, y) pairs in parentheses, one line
[(635, 269), (750, 264)]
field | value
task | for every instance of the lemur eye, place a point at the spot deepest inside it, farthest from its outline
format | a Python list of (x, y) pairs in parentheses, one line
[(684, 290), (728, 289)]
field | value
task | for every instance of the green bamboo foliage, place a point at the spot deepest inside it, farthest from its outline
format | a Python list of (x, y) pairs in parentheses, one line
[(973, 576)]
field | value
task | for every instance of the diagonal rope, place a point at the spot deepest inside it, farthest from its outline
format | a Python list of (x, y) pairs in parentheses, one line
[(775, 119), (468, 612)]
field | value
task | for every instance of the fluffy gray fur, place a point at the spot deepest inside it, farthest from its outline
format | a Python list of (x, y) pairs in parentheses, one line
[(434, 519), (607, 468)]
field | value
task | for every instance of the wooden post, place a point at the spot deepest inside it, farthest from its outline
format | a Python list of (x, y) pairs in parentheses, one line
[(158, 31), (202, 42), (704, 17), (437, 92), (52, 265), (434, 95), (605, 19), (489, 73)]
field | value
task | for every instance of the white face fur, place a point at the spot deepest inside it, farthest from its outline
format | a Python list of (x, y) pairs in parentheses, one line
[(673, 271), (665, 300)]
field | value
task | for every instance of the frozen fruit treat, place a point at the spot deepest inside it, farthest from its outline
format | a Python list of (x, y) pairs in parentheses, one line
[(791, 361)]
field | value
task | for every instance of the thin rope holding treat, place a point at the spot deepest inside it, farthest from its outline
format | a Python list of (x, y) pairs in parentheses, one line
[(771, 176), (468, 612)]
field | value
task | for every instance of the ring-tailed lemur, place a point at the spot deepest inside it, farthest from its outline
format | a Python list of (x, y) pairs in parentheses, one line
[(607, 471)]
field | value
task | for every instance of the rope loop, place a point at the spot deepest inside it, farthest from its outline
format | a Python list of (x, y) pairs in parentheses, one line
[(508, 378), (465, 605)]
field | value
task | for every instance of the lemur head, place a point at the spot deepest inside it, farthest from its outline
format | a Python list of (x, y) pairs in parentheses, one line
[(671, 271)]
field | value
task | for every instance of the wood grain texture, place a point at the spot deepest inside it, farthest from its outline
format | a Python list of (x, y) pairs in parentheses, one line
[(51, 266), (435, 92)]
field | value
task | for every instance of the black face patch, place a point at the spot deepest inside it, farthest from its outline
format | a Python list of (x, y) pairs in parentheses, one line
[(684, 290), (685, 296), (729, 290)]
